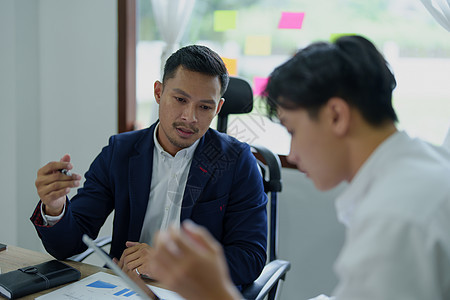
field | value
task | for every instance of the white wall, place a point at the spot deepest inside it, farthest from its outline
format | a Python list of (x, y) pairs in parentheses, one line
[(58, 91), (8, 209), (310, 236)]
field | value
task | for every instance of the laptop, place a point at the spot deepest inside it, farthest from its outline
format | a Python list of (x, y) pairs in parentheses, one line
[(108, 261)]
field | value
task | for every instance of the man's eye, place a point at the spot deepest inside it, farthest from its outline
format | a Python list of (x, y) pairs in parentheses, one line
[(205, 107), (180, 99)]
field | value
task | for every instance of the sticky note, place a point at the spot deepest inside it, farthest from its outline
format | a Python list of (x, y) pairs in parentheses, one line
[(225, 20), (231, 65), (258, 45), (335, 36), (291, 20), (259, 85)]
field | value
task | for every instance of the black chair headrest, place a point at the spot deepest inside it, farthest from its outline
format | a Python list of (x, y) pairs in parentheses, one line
[(238, 97)]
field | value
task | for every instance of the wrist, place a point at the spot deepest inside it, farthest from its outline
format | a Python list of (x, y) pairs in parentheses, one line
[(52, 211)]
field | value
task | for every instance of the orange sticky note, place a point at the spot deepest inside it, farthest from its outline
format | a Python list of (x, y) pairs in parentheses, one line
[(258, 45), (231, 65), (259, 85), (291, 20)]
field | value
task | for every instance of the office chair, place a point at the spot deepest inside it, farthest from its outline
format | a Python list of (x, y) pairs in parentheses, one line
[(239, 100), (100, 242)]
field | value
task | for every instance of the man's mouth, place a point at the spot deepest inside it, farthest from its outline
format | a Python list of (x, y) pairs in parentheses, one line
[(185, 131)]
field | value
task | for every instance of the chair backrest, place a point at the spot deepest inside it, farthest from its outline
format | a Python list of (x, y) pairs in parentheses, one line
[(270, 167), (238, 100)]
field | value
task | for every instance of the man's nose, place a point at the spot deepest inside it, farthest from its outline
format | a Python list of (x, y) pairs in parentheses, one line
[(189, 114)]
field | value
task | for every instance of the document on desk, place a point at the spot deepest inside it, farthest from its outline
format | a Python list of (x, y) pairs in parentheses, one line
[(102, 285)]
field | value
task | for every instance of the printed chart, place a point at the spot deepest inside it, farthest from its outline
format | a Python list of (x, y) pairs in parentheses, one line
[(101, 286)]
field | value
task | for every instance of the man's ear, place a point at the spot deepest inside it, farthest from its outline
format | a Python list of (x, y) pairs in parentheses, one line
[(157, 90), (219, 105), (339, 115)]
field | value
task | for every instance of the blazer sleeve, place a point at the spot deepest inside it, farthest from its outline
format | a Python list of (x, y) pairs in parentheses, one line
[(245, 221), (85, 213)]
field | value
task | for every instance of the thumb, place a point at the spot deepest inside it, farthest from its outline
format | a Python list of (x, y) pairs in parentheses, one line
[(131, 244), (65, 158)]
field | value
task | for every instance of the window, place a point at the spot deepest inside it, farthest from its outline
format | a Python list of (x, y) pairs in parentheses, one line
[(412, 41)]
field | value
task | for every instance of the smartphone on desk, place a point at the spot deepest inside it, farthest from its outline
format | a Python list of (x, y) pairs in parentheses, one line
[(2, 247)]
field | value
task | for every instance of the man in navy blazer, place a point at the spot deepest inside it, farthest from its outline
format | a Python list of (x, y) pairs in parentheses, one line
[(222, 191)]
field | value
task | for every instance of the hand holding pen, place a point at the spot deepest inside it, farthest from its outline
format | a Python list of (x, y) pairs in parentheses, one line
[(53, 183)]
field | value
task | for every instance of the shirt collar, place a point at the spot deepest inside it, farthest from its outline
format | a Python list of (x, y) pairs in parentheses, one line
[(186, 153), (348, 200)]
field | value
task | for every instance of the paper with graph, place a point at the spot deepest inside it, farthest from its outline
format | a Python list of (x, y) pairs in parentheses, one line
[(101, 286)]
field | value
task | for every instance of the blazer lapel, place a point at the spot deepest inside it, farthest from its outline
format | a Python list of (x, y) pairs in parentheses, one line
[(201, 172), (140, 173)]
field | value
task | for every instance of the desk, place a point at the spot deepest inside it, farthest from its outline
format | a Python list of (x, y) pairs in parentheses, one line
[(14, 258)]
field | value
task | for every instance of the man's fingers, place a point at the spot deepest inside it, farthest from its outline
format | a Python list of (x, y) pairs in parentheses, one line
[(55, 195), (65, 158), (131, 244), (54, 166), (136, 255), (58, 177), (56, 187), (165, 261)]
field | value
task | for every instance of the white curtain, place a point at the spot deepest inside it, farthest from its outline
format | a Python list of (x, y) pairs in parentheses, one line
[(440, 10), (171, 17)]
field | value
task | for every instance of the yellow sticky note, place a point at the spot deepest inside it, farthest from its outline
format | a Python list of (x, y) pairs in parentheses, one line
[(258, 45), (231, 65), (225, 20), (335, 36)]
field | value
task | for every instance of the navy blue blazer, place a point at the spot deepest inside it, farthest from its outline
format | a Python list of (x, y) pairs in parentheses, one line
[(224, 193)]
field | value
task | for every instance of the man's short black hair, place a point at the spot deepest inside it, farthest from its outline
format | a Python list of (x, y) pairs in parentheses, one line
[(351, 68), (197, 59)]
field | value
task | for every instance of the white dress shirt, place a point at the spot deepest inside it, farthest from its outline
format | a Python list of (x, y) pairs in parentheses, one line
[(397, 214), (169, 177)]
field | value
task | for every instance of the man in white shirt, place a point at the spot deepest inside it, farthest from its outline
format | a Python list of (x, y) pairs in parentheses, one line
[(335, 100), (177, 169)]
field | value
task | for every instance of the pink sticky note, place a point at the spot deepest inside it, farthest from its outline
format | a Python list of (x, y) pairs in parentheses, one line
[(291, 20), (259, 85)]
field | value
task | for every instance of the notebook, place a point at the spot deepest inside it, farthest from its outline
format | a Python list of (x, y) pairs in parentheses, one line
[(33, 279)]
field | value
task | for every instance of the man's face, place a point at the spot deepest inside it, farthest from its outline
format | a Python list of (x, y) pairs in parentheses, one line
[(315, 148), (187, 104)]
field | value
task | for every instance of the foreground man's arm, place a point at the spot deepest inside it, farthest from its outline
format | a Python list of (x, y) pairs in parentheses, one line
[(191, 263)]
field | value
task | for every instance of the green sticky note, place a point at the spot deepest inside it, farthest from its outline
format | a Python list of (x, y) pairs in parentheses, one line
[(335, 36), (225, 20)]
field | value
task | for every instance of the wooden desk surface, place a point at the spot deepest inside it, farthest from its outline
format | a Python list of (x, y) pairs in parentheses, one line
[(14, 258)]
